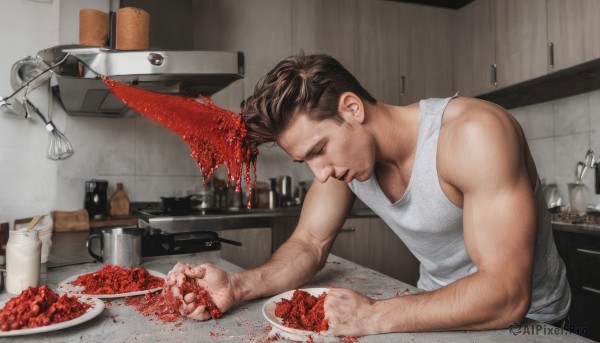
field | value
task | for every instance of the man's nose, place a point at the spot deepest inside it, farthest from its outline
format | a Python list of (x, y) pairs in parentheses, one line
[(322, 172)]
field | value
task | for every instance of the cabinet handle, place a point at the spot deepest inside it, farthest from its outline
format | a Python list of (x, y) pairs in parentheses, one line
[(347, 229), (588, 252), (403, 85), (494, 74), (551, 54), (590, 289)]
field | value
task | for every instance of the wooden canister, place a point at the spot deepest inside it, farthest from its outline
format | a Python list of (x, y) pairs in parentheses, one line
[(133, 29), (118, 205), (93, 27)]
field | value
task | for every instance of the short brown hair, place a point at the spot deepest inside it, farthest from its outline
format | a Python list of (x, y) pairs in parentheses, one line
[(307, 83)]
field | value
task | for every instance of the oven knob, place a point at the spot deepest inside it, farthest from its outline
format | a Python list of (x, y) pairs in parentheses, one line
[(156, 59)]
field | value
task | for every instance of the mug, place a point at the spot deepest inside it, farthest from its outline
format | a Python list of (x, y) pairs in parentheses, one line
[(118, 246)]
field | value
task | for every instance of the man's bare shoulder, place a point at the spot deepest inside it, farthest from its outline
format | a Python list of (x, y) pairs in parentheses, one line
[(466, 119), (464, 109), (473, 131)]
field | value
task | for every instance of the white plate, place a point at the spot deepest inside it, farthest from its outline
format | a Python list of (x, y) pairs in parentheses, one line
[(66, 287), (96, 308), (290, 333)]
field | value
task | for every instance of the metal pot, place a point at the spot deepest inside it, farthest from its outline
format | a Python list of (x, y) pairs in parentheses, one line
[(176, 205), (118, 246)]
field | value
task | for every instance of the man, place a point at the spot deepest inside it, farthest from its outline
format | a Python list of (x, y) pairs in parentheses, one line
[(453, 178)]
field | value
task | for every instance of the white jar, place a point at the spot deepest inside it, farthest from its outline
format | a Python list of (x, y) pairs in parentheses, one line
[(23, 257)]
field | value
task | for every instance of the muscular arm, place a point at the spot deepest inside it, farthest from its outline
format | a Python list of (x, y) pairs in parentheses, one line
[(305, 252), (484, 160)]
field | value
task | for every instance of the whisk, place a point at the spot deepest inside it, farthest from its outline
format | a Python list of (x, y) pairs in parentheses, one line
[(59, 147)]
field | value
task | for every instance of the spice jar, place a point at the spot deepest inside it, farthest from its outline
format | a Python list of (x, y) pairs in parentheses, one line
[(23, 257)]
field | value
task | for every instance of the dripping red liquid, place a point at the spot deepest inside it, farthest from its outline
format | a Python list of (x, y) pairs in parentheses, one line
[(216, 136)]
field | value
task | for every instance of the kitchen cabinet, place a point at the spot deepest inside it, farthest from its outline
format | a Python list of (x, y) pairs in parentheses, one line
[(394, 53), (371, 243), (163, 34), (327, 27), (521, 49), (370, 48), (573, 32), (474, 48), (405, 58), (581, 254), (499, 44), (255, 249), (258, 28), (429, 70)]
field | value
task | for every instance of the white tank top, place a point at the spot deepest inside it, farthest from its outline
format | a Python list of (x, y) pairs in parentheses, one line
[(431, 226)]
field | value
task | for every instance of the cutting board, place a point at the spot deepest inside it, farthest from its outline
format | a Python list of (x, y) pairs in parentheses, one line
[(65, 221), (113, 222)]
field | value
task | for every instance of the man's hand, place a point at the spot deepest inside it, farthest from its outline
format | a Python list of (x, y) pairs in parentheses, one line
[(216, 282), (349, 313)]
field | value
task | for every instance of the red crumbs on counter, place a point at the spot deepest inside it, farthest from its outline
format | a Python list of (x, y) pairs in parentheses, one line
[(115, 280), (39, 306), (217, 136), (304, 311), (154, 304)]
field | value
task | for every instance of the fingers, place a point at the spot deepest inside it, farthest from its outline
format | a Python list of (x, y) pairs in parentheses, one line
[(195, 271), (189, 298), (176, 277), (199, 313)]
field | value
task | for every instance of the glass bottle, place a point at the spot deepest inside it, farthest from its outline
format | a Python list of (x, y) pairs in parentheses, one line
[(578, 198)]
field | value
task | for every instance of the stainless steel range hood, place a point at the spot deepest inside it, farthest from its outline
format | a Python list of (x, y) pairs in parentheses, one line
[(175, 72)]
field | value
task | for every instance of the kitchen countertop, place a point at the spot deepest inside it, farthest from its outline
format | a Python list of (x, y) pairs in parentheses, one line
[(245, 322), (589, 224)]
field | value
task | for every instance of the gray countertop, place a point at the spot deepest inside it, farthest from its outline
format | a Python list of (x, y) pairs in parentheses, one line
[(589, 225), (245, 322)]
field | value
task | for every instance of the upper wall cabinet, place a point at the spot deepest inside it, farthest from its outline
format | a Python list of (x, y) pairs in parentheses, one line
[(502, 43), (327, 27), (573, 32), (416, 60), (400, 52), (474, 48), (394, 53), (521, 49), (429, 50)]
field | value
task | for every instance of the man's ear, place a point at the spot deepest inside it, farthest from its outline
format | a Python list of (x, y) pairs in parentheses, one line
[(351, 105)]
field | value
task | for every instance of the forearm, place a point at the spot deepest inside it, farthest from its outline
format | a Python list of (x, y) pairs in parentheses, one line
[(292, 265), (476, 302)]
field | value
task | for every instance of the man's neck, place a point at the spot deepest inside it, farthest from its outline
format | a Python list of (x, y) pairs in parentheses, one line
[(395, 130)]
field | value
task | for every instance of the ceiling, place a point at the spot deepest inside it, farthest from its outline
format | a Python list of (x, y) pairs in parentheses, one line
[(454, 4)]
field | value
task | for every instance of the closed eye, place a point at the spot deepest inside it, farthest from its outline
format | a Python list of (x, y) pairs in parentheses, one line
[(321, 151)]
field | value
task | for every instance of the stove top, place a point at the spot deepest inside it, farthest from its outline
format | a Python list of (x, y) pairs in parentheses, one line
[(157, 210), (163, 213)]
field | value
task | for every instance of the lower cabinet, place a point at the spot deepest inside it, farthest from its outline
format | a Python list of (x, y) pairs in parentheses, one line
[(581, 254), (254, 251), (371, 243)]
